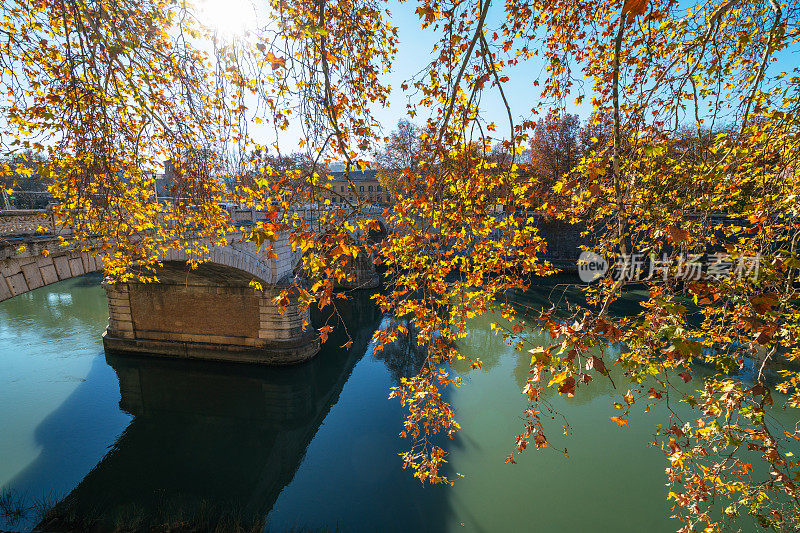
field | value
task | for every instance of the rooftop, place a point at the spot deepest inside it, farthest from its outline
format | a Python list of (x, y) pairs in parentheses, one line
[(355, 175)]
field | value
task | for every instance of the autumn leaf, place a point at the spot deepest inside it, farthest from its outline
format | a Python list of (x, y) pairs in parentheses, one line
[(567, 387), (275, 62), (594, 362), (619, 421), (763, 336), (652, 393), (676, 235), (628, 397), (323, 332), (558, 378), (634, 8)]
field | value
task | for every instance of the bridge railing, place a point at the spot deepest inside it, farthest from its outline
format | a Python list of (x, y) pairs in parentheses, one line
[(310, 214), (23, 222), (32, 222)]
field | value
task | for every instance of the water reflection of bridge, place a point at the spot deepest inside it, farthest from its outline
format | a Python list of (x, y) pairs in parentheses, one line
[(210, 445)]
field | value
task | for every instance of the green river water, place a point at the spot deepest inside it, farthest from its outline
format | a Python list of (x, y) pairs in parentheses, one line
[(134, 442)]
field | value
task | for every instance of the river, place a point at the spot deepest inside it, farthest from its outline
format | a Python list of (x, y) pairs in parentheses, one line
[(130, 442)]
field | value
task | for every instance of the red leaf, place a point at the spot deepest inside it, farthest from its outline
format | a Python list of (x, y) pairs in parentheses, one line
[(634, 8), (596, 363), (676, 235), (567, 387)]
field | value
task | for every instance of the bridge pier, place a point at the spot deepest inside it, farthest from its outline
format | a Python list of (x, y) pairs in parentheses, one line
[(208, 313)]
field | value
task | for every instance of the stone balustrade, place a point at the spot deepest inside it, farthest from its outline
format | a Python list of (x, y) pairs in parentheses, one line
[(25, 222)]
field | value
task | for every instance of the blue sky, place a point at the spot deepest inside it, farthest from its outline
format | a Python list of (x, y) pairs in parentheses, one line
[(415, 52)]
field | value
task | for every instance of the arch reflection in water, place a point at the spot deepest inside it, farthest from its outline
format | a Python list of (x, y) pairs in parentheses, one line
[(211, 445)]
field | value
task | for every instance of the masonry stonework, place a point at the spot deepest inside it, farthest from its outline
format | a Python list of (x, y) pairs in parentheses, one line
[(201, 315), (38, 264)]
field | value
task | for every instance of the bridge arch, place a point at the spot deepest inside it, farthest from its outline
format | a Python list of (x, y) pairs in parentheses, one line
[(275, 268), (36, 264), (210, 312), (27, 263)]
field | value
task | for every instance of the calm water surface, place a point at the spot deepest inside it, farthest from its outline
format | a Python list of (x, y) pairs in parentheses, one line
[(136, 441)]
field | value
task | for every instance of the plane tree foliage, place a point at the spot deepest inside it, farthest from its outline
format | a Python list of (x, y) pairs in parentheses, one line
[(695, 108)]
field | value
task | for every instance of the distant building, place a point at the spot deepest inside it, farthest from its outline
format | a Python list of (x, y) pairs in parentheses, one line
[(364, 186), (166, 183), (184, 173), (159, 183)]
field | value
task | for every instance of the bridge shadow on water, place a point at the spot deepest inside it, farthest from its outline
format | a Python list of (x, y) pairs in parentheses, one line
[(210, 446)]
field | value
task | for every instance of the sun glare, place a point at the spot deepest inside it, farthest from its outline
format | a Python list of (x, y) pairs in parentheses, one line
[(228, 18)]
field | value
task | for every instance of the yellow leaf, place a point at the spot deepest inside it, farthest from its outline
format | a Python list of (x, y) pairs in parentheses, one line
[(559, 378)]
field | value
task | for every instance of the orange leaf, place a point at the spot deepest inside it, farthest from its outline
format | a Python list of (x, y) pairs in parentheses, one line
[(620, 421), (276, 62), (323, 332), (676, 235)]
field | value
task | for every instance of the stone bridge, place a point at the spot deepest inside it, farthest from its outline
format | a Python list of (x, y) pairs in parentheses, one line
[(210, 312)]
